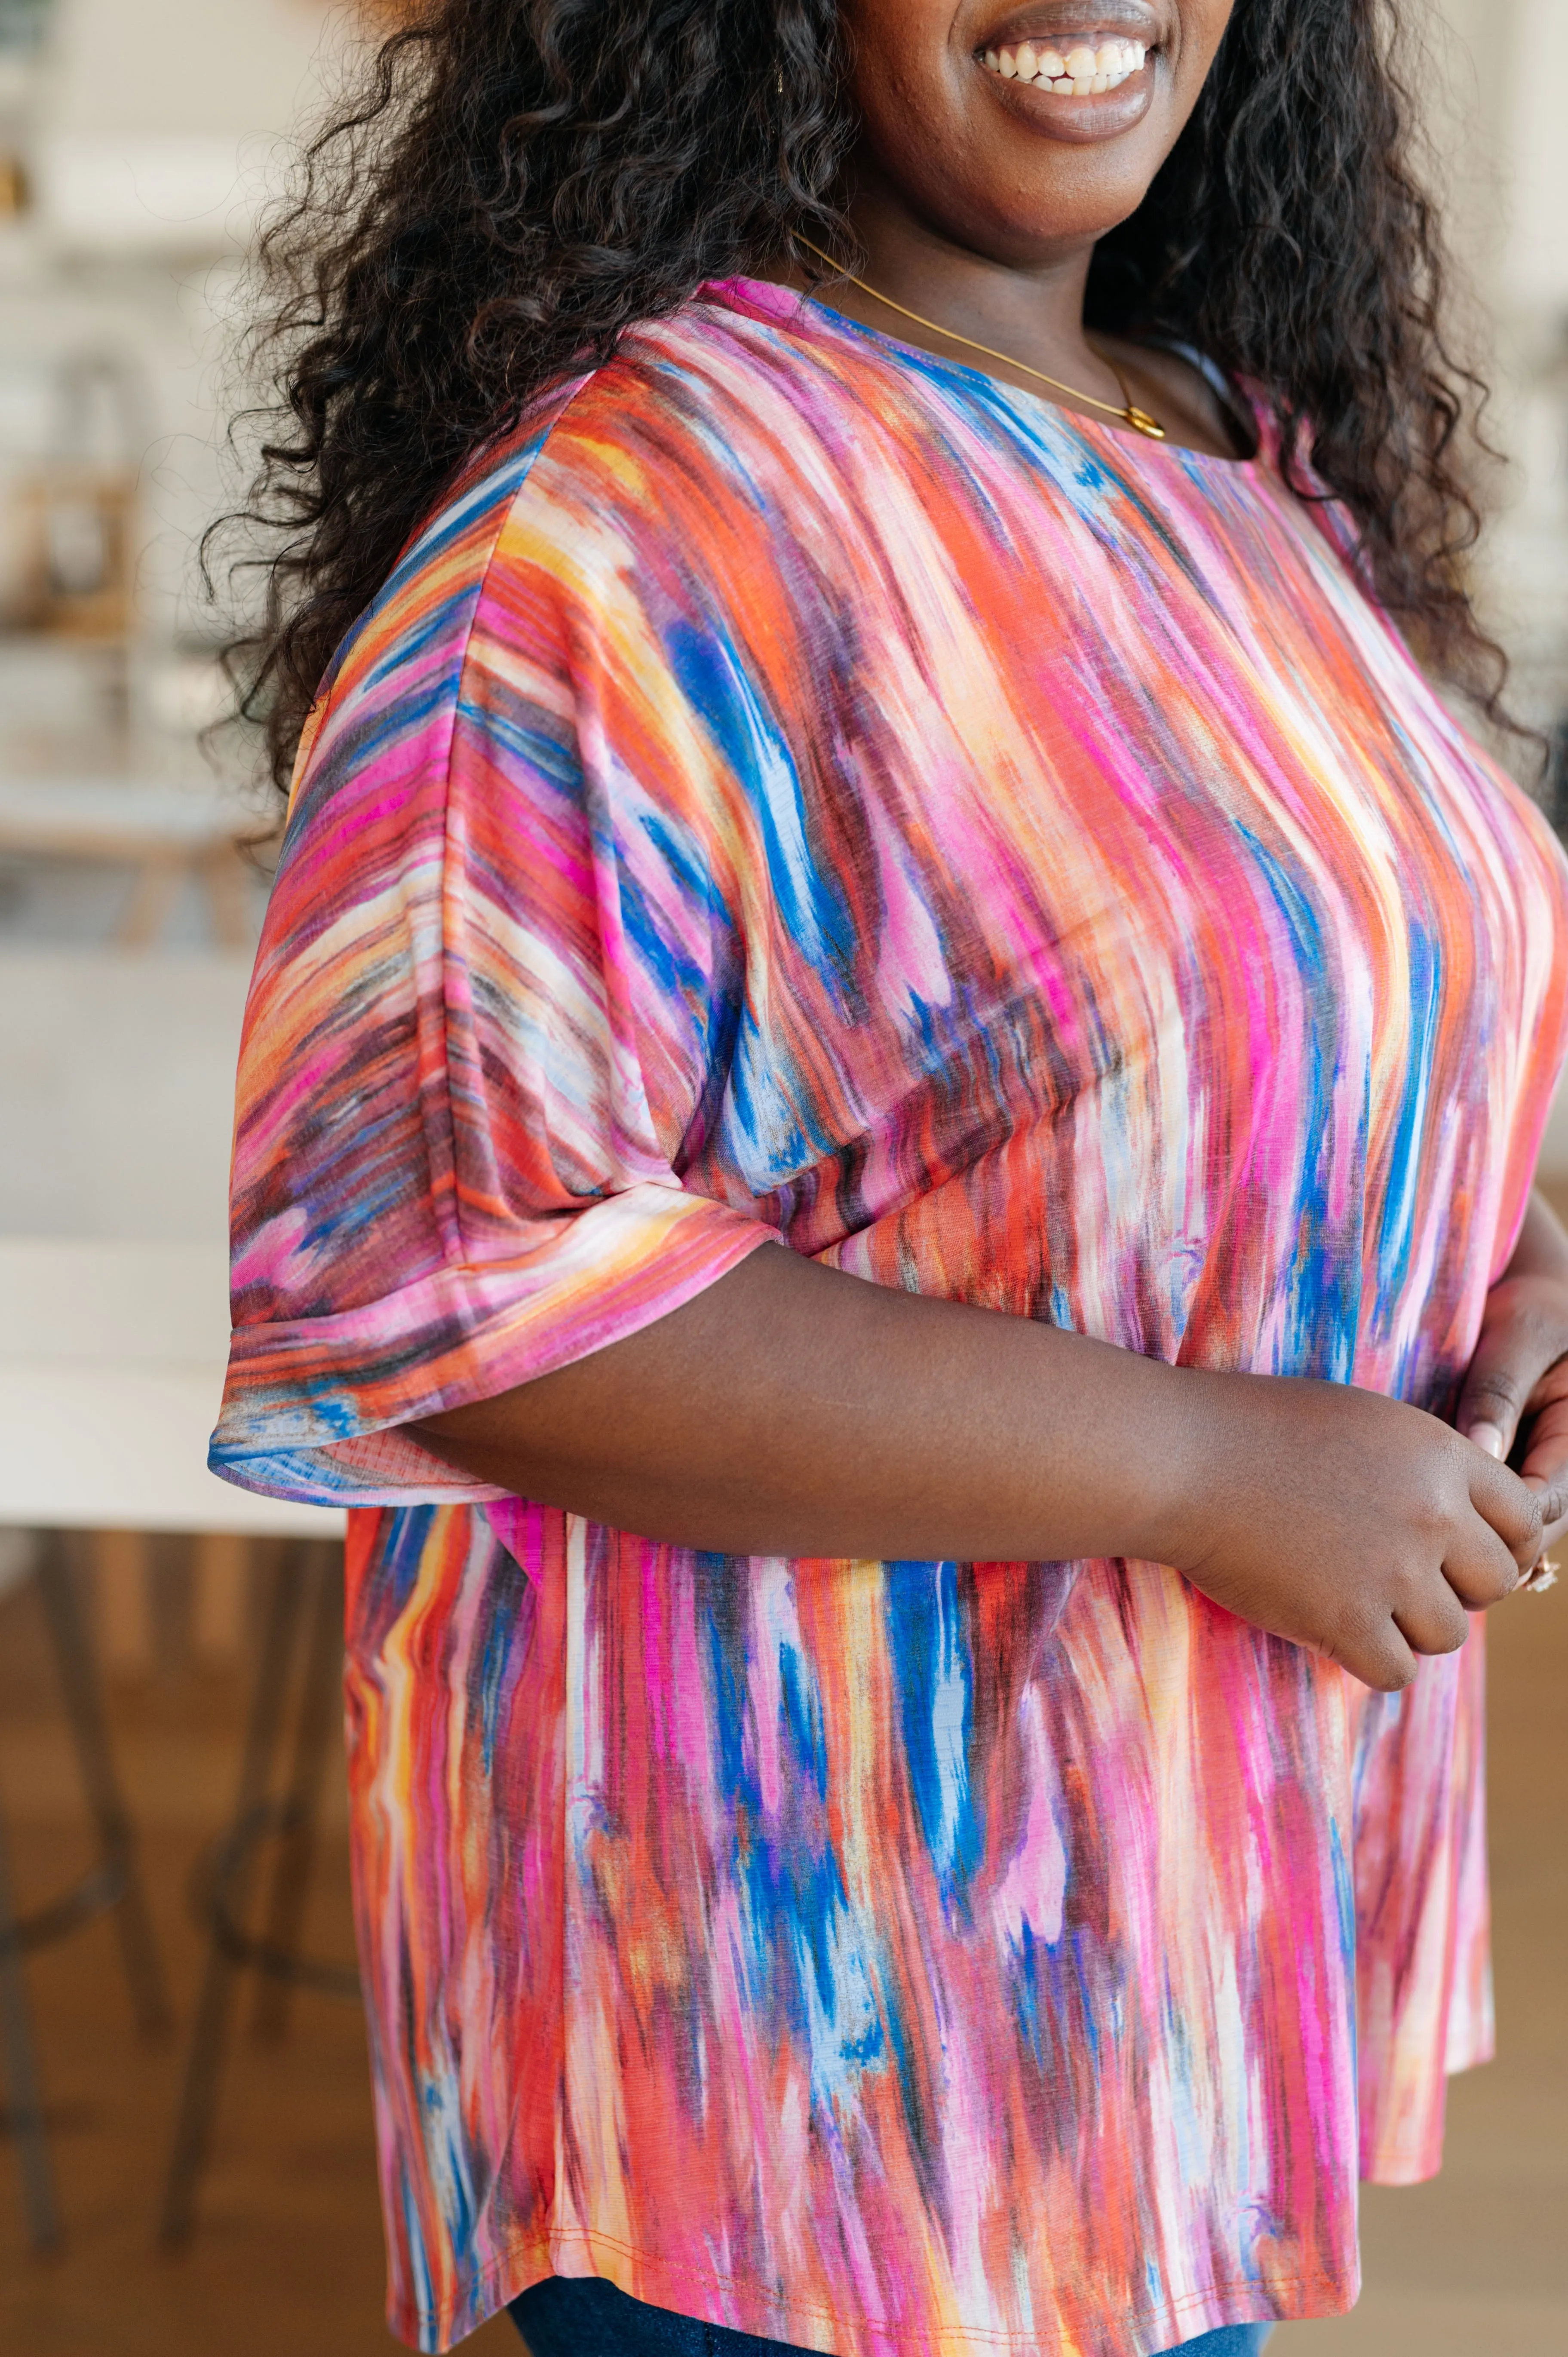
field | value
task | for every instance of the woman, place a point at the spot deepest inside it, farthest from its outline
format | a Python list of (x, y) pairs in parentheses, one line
[(893, 1077)]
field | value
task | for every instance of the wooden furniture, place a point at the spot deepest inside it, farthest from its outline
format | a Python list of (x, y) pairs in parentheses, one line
[(295, 1697), (112, 1884), (111, 1367), (168, 835), (77, 524)]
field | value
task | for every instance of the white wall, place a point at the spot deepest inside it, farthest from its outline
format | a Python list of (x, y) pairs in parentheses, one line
[(1502, 175), (182, 69), (160, 118), (1537, 249), (117, 1084)]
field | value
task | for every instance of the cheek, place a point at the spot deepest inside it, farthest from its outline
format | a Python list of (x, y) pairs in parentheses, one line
[(899, 53), (912, 123), (1202, 25), (1008, 199), (932, 134)]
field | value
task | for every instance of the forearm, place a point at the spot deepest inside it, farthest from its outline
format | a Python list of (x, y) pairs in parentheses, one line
[(793, 1410)]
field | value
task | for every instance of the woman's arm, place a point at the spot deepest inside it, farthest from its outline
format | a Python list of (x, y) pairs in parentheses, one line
[(791, 1409), (1515, 1401)]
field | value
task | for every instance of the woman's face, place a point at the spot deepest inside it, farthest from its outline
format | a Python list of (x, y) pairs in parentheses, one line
[(963, 128)]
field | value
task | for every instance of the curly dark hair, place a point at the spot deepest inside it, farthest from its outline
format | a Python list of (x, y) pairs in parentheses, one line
[(522, 180)]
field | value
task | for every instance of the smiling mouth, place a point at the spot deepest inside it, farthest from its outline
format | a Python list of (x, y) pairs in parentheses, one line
[(1079, 71)]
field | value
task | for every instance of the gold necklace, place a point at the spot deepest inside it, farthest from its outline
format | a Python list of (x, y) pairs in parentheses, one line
[(1130, 413)]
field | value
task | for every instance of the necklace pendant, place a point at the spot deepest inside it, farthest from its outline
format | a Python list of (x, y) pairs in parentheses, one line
[(1142, 423)]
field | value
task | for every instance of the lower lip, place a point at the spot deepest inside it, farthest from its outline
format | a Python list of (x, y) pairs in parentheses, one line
[(1101, 116)]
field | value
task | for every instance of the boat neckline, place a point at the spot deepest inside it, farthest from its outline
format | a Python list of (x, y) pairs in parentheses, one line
[(1122, 436)]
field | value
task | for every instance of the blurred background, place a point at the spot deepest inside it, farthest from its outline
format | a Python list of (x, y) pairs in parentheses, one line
[(186, 2156)]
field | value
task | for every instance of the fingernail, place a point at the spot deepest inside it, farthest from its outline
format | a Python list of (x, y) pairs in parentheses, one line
[(1487, 1436)]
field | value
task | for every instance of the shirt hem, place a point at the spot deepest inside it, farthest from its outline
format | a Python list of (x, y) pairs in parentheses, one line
[(776, 2316)]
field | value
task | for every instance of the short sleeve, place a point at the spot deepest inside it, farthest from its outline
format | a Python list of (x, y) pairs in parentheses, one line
[(498, 968)]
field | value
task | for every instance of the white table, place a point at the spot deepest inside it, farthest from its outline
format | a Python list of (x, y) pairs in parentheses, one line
[(165, 834), (112, 1359)]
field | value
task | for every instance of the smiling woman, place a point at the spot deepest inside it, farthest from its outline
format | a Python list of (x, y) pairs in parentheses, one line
[(884, 1141), (517, 186)]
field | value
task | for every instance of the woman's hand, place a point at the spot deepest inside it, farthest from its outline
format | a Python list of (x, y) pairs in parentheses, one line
[(1515, 1401), (1358, 1527)]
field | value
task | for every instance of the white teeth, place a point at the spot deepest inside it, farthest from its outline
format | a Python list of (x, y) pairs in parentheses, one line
[(1083, 72)]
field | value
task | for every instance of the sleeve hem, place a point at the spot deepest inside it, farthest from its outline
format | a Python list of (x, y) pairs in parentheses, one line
[(314, 1410)]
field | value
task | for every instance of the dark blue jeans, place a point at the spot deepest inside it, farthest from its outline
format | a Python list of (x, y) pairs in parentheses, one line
[(581, 2317)]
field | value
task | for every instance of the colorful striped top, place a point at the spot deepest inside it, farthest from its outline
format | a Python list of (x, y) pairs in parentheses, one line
[(798, 787)]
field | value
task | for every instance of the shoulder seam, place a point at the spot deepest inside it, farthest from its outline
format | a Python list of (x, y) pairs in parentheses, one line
[(320, 709), (481, 581)]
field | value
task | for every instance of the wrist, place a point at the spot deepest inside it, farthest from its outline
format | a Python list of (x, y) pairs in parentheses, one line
[(1186, 1434)]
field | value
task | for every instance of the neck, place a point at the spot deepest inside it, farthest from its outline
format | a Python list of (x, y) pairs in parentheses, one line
[(1031, 309), (1026, 311)]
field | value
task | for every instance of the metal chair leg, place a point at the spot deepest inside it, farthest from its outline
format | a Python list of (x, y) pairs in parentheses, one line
[(319, 1707), (200, 2093), (116, 1834), (26, 2100)]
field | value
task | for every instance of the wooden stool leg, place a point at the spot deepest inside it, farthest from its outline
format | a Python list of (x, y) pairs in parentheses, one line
[(222, 1570), (198, 2095), (123, 1602), (320, 1707), (160, 878), (25, 2098), (228, 896), (116, 1834)]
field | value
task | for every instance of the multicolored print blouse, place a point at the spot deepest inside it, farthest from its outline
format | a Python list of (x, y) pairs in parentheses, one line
[(803, 788)]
